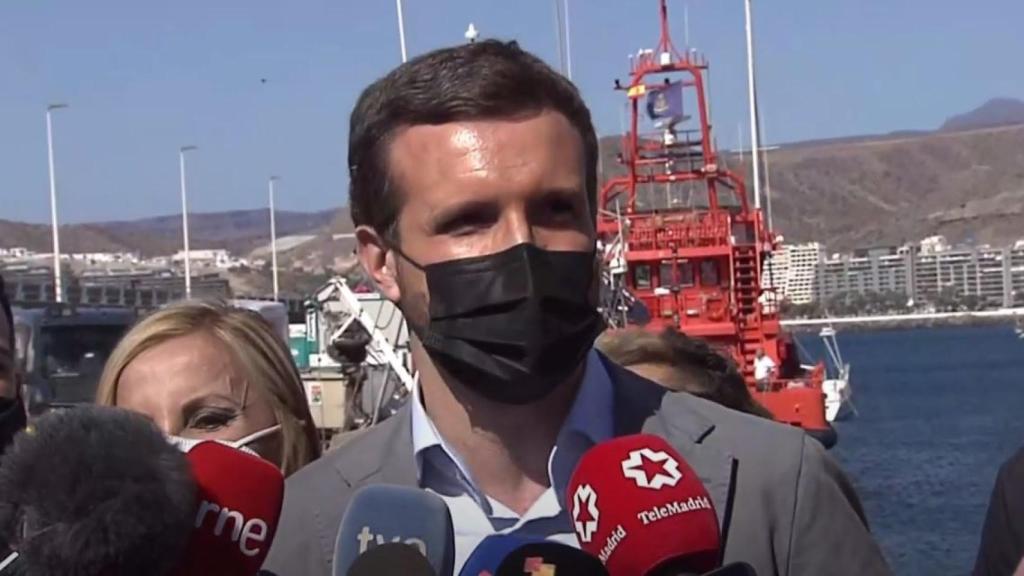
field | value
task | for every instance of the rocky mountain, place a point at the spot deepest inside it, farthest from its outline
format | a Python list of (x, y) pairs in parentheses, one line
[(239, 231), (962, 181), (965, 181), (995, 112)]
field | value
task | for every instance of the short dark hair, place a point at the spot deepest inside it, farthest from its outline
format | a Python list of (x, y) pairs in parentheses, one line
[(480, 80), (5, 307), (699, 369)]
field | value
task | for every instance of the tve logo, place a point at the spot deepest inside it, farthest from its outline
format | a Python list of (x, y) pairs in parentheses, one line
[(368, 539), (249, 535)]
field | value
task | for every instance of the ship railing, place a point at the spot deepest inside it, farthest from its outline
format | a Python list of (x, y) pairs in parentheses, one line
[(679, 231)]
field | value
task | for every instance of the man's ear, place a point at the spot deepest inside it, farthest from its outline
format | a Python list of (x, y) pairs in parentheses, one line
[(378, 262)]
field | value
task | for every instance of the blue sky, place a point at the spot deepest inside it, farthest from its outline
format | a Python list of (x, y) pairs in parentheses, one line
[(145, 77)]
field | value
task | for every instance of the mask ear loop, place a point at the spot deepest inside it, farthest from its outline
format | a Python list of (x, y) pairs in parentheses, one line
[(257, 435)]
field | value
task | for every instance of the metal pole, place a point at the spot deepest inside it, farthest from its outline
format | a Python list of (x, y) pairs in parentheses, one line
[(767, 185), (184, 222), (560, 36), (58, 288), (273, 237), (401, 29), (568, 42), (752, 93)]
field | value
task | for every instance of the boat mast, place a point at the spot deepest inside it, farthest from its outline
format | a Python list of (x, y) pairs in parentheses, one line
[(755, 145)]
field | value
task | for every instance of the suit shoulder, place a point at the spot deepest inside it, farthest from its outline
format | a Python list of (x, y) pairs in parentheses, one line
[(746, 436)]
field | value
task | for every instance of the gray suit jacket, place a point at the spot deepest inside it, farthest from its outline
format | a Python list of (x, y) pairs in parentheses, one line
[(784, 506)]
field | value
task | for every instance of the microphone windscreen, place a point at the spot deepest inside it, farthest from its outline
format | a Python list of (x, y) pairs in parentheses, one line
[(637, 505), (95, 491), (236, 511), (550, 559), (487, 556), (391, 558), (381, 514)]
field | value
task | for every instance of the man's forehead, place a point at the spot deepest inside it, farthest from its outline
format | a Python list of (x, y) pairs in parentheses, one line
[(484, 148)]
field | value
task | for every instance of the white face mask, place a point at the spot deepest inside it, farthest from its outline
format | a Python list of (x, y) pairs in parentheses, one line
[(187, 444)]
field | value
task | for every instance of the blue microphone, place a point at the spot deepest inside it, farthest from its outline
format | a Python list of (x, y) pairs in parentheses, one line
[(488, 555), (382, 514)]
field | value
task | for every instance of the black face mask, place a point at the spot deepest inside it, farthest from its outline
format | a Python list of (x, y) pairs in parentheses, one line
[(514, 325)]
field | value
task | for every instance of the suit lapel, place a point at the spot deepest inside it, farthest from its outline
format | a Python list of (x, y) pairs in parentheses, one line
[(385, 456), (644, 407)]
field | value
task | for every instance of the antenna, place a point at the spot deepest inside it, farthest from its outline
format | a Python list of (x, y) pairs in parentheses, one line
[(686, 24)]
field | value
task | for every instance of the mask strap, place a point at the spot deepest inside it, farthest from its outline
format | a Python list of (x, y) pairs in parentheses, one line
[(398, 251), (6, 562), (257, 435)]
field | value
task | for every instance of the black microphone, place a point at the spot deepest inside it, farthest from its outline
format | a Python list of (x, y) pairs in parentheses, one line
[(94, 491), (733, 569), (392, 558), (549, 559)]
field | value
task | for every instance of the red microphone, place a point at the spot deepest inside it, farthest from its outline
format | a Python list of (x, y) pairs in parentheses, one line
[(639, 508), (238, 505)]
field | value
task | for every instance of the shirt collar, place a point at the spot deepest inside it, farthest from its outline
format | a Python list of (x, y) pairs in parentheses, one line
[(591, 417)]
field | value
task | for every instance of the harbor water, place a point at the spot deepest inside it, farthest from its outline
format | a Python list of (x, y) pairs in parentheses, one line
[(939, 410)]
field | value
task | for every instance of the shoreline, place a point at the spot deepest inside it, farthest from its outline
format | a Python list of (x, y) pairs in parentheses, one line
[(895, 323)]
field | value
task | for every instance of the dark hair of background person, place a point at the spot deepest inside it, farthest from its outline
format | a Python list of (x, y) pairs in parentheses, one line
[(5, 307), (482, 80), (695, 366)]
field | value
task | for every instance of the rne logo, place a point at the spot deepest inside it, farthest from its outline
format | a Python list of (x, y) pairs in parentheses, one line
[(243, 532)]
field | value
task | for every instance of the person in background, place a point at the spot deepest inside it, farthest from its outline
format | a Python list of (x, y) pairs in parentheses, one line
[(473, 179), (764, 371), (205, 370), (1002, 538), (681, 364), (12, 411)]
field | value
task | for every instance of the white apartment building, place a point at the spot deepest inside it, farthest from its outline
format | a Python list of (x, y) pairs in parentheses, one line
[(793, 271)]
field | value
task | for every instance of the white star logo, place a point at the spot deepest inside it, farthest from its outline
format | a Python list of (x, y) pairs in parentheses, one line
[(584, 512), (666, 474)]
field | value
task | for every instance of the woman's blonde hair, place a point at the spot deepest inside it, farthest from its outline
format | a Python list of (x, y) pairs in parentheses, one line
[(257, 349)]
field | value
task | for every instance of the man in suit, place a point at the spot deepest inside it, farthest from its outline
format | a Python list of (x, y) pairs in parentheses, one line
[(473, 178)]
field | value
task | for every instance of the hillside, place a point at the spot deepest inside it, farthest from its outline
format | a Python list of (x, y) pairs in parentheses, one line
[(995, 112), (964, 181), (966, 184), (239, 231)]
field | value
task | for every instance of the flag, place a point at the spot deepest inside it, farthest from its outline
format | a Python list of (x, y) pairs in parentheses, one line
[(665, 102)]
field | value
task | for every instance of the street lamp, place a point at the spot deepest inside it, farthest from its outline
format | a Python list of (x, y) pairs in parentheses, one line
[(273, 236), (184, 221), (755, 143), (401, 29), (58, 289)]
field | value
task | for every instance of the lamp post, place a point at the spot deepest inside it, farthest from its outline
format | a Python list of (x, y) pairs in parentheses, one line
[(401, 29), (755, 144), (184, 221), (58, 288), (273, 237)]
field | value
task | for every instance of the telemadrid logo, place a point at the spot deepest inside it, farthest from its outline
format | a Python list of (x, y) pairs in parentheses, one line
[(584, 512), (634, 468)]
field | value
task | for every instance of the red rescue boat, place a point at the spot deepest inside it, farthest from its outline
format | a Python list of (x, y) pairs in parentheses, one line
[(682, 245)]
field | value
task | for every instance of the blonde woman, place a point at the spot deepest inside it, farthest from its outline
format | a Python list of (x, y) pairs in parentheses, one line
[(205, 370)]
